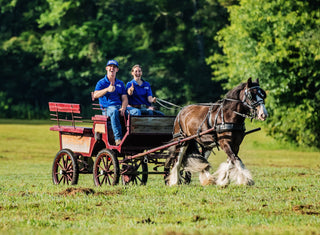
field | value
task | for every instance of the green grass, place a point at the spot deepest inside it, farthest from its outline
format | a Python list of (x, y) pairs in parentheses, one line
[(284, 200)]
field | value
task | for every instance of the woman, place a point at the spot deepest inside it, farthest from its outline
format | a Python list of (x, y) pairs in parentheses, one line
[(140, 93)]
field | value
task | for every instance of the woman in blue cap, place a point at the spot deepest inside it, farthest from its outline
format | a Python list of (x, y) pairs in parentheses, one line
[(140, 93), (113, 98)]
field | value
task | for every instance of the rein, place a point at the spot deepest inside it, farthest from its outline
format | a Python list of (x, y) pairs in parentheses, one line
[(160, 102)]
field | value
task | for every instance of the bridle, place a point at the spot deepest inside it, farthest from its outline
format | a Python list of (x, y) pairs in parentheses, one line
[(248, 96), (252, 104)]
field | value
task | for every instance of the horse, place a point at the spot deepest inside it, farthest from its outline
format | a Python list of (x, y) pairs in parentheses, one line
[(226, 118)]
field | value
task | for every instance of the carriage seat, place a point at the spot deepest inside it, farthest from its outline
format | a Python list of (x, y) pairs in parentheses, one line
[(102, 118), (72, 129), (67, 113)]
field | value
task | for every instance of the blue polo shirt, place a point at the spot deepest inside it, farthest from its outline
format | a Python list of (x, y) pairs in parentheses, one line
[(111, 98), (140, 93)]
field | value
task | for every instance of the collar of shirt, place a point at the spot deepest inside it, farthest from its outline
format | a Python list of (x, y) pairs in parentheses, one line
[(136, 83), (107, 80)]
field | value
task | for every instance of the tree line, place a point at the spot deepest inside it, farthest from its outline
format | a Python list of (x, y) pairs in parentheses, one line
[(191, 51)]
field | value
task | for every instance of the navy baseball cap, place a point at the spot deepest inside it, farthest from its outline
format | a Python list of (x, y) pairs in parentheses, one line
[(114, 62)]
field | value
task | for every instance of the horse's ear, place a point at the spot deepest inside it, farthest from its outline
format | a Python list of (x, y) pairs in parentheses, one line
[(257, 81), (249, 82)]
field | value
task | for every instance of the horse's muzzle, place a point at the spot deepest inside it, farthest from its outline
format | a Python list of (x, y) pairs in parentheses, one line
[(262, 114), (262, 117)]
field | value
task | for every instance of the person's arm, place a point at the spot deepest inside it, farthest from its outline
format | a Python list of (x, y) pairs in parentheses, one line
[(130, 90), (124, 104), (152, 99), (99, 93)]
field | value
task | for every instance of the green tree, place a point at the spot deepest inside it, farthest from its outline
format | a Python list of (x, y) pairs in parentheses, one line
[(56, 50), (278, 42), (21, 77)]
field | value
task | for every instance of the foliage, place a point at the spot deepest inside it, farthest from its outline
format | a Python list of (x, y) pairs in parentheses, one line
[(276, 41), (56, 50)]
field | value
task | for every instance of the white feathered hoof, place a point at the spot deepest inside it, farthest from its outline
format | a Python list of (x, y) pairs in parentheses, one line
[(222, 175), (206, 178), (173, 179), (240, 175)]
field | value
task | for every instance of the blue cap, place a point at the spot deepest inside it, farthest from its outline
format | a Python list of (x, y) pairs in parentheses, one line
[(114, 62)]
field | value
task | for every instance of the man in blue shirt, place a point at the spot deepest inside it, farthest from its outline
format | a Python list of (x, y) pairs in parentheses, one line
[(113, 98)]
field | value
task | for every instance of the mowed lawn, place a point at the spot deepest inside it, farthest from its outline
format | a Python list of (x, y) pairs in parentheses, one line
[(284, 200)]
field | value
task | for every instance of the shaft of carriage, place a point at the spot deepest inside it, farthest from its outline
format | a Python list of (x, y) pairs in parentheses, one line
[(177, 142)]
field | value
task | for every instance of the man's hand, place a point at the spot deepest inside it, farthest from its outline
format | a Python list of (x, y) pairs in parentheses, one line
[(111, 88), (122, 111)]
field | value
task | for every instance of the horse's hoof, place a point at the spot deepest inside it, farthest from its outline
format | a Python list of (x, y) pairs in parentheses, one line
[(208, 182)]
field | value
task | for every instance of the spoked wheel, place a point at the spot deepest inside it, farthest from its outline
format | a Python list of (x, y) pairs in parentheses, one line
[(106, 168), (134, 172), (65, 168)]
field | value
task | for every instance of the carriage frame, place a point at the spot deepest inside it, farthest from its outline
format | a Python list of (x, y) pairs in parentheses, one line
[(144, 142)]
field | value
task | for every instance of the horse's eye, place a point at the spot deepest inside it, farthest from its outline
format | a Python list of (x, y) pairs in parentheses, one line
[(262, 94)]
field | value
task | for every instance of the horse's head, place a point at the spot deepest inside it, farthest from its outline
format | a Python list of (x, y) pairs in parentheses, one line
[(254, 96)]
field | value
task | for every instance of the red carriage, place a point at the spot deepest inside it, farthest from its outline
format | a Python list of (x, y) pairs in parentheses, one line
[(128, 161)]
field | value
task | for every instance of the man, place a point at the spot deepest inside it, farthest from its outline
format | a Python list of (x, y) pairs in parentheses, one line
[(113, 98)]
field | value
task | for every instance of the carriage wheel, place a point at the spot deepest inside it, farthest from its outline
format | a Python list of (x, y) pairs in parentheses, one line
[(106, 168), (134, 172), (65, 169)]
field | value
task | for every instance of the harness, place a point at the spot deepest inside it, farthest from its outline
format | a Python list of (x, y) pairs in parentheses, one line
[(218, 128), (224, 127)]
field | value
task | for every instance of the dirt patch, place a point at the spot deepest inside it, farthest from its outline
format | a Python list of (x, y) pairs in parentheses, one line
[(68, 218), (74, 191), (110, 193), (146, 221), (87, 191), (305, 209)]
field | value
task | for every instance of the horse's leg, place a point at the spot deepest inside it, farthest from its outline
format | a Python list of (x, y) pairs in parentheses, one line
[(174, 177), (240, 174), (206, 152), (169, 162), (222, 174), (233, 170), (197, 163), (206, 178)]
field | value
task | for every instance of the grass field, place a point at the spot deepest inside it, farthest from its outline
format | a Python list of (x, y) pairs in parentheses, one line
[(284, 200)]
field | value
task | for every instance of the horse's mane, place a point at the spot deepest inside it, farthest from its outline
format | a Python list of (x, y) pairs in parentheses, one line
[(235, 92)]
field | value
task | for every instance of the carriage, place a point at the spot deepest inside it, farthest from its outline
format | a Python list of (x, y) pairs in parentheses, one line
[(127, 161), (147, 139)]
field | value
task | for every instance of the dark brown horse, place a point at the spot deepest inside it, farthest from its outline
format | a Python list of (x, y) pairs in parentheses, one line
[(227, 117)]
